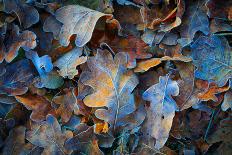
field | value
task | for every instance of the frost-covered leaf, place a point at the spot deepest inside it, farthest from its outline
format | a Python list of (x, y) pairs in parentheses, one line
[(213, 58), (77, 20), (15, 40), (48, 78), (39, 105), (227, 103), (27, 14), (162, 109), (16, 78), (69, 61), (84, 142), (67, 103), (113, 85), (48, 135), (194, 20)]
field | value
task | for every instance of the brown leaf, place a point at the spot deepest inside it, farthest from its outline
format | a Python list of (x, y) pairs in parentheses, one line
[(39, 105)]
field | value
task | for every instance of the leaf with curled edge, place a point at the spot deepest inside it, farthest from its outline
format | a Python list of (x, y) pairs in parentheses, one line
[(113, 85), (48, 78), (162, 109), (85, 142), (39, 105), (194, 20), (51, 24), (77, 20), (15, 40), (69, 61), (227, 103), (49, 136), (16, 78), (26, 14), (213, 58), (210, 93), (67, 102)]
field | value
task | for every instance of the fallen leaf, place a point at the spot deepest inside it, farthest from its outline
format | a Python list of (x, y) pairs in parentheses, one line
[(26, 14), (212, 57), (69, 61), (227, 103), (113, 85), (15, 141), (16, 78), (195, 20), (49, 136), (26, 40), (162, 109), (67, 103), (84, 142), (77, 20), (48, 78), (39, 105), (210, 93)]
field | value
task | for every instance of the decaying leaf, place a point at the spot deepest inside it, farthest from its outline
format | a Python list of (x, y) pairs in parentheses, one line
[(16, 78), (77, 20), (26, 40), (67, 103), (113, 85), (49, 136), (27, 14), (227, 103), (162, 109), (212, 57), (195, 19), (84, 142), (39, 105), (69, 61)]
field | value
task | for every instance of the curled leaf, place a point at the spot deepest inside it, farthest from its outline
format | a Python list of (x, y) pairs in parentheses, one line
[(227, 103), (27, 14), (77, 20)]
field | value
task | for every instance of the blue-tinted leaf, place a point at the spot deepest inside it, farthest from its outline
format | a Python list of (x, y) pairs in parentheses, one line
[(49, 136), (69, 61), (15, 40), (84, 142), (16, 78), (162, 109), (195, 19), (6, 103), (42, 64), (213, 58), (27, 14), (48, 78)]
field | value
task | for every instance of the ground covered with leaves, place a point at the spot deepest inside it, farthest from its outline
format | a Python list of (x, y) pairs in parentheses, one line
[(94, 77)]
